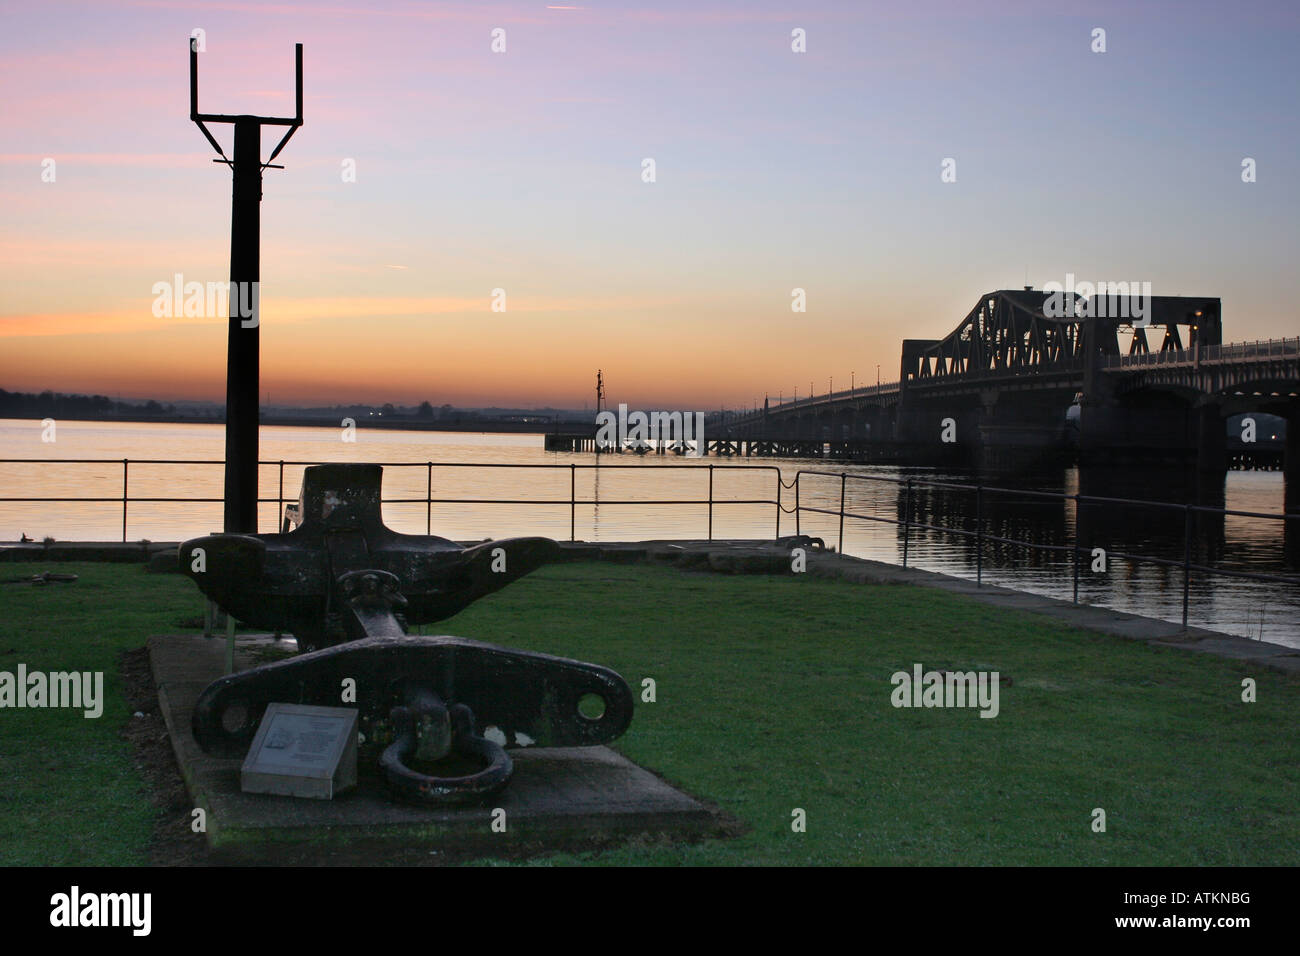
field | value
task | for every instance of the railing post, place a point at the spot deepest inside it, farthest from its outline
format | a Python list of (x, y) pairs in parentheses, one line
[(573, 501), (1187, 559), (798, 518), (907, 517), (125, 465), (428, 498), (979, 535), (710, 502), (843, 478), (279, 501), (1076, 549), (778, 502)]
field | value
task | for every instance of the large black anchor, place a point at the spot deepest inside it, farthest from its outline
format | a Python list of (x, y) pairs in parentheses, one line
[(347, 587)]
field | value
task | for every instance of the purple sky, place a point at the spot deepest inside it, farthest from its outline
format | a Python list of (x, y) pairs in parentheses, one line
[(522, 171)]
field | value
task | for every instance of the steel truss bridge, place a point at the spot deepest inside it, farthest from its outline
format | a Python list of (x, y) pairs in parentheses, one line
[(998, 390)]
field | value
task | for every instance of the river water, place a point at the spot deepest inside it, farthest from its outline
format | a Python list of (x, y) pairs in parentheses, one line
[(627, 490)]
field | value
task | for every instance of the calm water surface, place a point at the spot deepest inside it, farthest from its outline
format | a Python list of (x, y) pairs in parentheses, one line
[(1237, 606)]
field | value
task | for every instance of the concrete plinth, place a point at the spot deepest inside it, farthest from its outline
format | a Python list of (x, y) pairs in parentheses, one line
[(559, 798)]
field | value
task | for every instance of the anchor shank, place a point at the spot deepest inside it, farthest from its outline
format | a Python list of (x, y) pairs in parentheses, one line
[(371, 597)]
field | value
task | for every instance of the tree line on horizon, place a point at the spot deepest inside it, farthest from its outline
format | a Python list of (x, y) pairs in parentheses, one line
[(51, 404)]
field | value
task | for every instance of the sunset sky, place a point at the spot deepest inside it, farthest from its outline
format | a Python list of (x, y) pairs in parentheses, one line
[(522, 171)]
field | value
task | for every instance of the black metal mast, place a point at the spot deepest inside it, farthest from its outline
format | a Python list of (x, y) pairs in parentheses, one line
[(244, 340)]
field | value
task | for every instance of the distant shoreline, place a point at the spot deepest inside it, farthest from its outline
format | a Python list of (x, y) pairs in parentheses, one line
[(393, 424)]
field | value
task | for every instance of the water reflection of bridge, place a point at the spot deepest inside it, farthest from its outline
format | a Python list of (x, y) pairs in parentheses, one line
[(1142, 525)]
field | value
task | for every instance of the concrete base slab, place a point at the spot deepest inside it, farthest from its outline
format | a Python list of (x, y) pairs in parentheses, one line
[(559, 798)]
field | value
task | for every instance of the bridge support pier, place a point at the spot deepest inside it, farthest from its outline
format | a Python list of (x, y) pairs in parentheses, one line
[(1015, 435), (1291, 474), (1212, 442), (1156, 430)]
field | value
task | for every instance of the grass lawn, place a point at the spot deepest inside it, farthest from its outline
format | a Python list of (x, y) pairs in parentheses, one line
[(773, 693)]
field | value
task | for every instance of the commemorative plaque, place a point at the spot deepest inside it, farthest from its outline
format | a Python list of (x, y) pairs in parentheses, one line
[(302, 751)]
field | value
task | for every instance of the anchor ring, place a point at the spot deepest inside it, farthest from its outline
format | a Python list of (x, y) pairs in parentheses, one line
[(426, 789)]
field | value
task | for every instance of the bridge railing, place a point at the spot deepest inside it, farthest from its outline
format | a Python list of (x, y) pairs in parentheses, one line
[(1072, 364), (906, 492), (1228, 352), (711, 499), (848, 394)]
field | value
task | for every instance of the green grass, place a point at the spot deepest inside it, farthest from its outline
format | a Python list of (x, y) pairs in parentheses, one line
[(69, 791), (773, 693)]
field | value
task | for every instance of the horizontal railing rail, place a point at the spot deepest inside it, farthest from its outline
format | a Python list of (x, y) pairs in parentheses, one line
[(785, 404), (908, 491), (1069, 365), (125, 499), (1210, 354)]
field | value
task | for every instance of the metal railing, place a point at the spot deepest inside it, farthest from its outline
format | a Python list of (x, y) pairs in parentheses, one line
[(1070, 365), (905, 502), (1209, 354), (857, 391), (907, 488), (125, 499), (1194, 355)]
